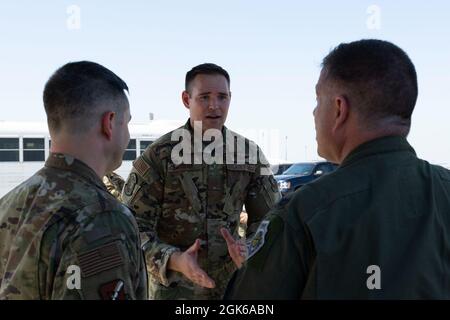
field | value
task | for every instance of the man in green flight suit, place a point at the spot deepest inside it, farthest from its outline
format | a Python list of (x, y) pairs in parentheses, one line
[(187, 199), (377, 227)]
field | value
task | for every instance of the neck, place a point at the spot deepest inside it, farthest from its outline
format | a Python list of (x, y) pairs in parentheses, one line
[(357, 138), (83, 149)]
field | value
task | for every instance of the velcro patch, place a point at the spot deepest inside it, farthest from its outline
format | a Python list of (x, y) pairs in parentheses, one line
[(131, 183), (257, 241), (112, 290), (141, 166), (269, 234), (100, 259)]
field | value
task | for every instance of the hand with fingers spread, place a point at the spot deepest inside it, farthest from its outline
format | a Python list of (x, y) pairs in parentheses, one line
[(186, 263), (236, 248)]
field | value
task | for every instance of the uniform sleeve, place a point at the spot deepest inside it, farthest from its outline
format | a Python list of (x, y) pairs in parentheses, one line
[(114, 184), (277, 267), (262, 194), (143, 192), (101, 260)]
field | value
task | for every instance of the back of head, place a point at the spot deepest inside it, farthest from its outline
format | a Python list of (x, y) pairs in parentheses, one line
[(78, 93), (378, 78), (205, 68)]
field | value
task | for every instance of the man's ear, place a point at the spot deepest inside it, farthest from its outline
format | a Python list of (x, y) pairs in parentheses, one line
[(185, 99), (341, 111), (108, 119)]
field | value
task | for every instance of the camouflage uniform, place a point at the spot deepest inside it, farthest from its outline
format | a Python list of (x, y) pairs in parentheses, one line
[(114, 184), (63, 216), (176, 204)]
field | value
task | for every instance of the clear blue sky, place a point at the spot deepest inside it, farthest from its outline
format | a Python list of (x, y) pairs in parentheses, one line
[(272, 50)]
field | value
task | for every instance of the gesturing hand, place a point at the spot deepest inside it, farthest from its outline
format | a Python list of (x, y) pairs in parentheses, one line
[(236, 248), (186, 263)]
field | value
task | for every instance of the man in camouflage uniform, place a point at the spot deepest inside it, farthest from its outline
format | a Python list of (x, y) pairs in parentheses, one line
[(62, 234), (376, 228), (114, 184), (185, 208)]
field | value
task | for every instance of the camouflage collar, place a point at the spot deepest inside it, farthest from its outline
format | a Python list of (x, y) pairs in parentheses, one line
[(378, 146), (188, 126), (69, 163), (225, 131)]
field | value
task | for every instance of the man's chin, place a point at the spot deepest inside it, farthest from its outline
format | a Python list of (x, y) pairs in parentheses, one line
[(320, 153)]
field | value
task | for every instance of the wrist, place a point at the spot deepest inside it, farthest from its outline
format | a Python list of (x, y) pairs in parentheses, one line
[(173, 263)]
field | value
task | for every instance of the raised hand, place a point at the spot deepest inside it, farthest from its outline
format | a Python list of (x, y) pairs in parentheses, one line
[(236, 248)]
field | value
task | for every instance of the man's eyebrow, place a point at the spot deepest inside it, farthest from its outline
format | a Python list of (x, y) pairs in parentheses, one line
[(209, 92)]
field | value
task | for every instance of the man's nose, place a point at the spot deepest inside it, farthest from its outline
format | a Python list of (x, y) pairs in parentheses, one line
[(213, 103)]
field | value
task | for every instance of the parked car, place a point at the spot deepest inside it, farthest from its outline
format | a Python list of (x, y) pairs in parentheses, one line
[(301, 173), (280, 168)]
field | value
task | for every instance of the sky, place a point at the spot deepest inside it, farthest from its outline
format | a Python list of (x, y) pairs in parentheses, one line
[(272, 50)]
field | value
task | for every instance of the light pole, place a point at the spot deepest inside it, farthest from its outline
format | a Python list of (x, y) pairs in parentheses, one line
[(285, 147)]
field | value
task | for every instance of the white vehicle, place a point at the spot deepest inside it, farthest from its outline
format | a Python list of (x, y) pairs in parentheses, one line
[(24, 146)]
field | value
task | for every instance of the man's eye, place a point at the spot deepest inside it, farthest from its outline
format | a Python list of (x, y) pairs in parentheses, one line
[(204, 98), (223, 97)]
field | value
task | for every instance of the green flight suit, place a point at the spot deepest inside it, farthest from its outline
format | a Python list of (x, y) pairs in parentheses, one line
[(376, 228)]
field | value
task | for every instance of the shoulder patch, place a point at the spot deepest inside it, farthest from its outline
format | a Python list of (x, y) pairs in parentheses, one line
[(100, 259), (270, 233), (141, 166), (257, 241), (131, 183)]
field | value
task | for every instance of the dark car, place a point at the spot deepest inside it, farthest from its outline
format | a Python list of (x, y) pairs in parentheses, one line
[(301, 173), (280, 168)]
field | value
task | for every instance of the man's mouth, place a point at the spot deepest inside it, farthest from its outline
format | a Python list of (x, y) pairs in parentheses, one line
[(213, 117)]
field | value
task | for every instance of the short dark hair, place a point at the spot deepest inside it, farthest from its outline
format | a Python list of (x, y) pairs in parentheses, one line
[(380, 77), (75, 93), (205, 68)]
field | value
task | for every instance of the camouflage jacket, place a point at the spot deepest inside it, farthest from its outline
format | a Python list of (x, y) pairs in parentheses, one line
[(114, 184), (63, 236), (176, 203)]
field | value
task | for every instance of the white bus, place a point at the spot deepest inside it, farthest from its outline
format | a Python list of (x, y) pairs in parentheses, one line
[(24, 146)]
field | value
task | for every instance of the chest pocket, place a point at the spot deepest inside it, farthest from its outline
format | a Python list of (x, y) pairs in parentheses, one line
[(182, 210), (238, 180), (182, 186)]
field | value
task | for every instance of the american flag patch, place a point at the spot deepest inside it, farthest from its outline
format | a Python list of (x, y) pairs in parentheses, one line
[(100, 259), (141, 166)]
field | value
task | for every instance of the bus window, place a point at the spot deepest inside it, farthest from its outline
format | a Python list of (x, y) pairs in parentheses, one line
[(130, 152), (33, 149), (9, 149), (144, 144)]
